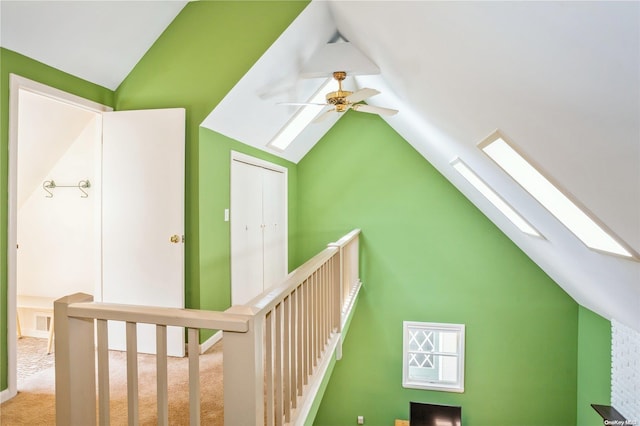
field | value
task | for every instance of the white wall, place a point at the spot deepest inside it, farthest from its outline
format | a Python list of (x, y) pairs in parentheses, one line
[(57, 236), (625, 370)]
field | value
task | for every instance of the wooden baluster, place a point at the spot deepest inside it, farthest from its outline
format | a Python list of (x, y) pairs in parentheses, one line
[(304, 340), (346, 266), (327, 305), (132, 373), (337, 305), (308, 331), (278, 371), (316, 318), (295, 347), (321, 303), (103, 373), (286, 357), (269, 367), (193, 348), (335, 297), (162, 393)]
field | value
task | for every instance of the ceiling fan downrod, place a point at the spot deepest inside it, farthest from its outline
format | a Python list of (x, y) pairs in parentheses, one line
[(339, 98)]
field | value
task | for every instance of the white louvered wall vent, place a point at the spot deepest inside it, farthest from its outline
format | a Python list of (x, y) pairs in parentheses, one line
[(43, 322), (625, 370)]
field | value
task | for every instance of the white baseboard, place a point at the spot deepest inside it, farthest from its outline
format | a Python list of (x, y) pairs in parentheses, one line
[(210, 342), (35, 333), (6, 395)]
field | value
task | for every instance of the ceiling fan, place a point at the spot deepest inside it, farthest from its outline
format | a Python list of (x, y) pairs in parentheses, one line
[(343, 100)]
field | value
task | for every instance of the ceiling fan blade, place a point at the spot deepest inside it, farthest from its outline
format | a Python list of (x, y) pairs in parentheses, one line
[(301, 103), (324, 115), (374, 109), (361, 95)]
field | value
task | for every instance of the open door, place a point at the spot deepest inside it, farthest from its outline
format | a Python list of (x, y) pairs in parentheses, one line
[(143, 218)]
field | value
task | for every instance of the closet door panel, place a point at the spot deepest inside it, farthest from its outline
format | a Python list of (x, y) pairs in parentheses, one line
[(274, 211), (246, 232)]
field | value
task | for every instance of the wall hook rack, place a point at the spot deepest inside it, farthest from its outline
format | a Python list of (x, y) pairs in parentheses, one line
[(47, 185)]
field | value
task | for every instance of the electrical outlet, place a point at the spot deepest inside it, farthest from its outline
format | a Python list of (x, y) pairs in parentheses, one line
[(360, 420)]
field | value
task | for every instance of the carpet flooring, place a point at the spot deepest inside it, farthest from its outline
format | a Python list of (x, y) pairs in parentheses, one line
[(35, 402), (32, 357)]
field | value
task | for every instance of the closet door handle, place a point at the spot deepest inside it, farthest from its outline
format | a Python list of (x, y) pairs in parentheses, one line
[(175, 239)]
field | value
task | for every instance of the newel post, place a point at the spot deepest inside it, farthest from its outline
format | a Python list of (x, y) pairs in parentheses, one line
[(75, 364), (244, 371), (338, 279)]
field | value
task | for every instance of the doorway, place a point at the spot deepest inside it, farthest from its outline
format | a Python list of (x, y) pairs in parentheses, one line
[(54, 207), (136, 187)]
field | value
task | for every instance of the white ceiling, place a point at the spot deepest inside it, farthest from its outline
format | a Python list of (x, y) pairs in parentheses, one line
[(42, 146), (99, 41), (560, 79)]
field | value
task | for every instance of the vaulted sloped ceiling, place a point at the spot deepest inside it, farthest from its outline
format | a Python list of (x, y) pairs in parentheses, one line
[(43, 145), (560, 79), (99, 41)]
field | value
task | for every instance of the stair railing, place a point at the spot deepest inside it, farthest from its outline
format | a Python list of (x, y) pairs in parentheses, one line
[(277, 347)]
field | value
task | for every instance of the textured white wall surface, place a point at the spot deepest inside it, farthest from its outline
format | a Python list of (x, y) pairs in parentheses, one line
[(625, 371)]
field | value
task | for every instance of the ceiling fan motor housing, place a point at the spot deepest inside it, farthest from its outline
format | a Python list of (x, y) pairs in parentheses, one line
[(339, 97)]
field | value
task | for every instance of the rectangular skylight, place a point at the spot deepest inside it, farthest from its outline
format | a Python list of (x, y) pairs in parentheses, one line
[(301, 119), (494, 198), (554, 200)]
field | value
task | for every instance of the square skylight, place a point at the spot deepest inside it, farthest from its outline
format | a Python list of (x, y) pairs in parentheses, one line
[(553, 199), (301, 119), (494, 198)]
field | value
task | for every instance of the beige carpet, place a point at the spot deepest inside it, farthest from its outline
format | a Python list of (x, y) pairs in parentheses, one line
[(35, 402), (32, 357)]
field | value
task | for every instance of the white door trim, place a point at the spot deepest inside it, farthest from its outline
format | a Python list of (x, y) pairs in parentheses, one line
[(17, 83), (244, 158)]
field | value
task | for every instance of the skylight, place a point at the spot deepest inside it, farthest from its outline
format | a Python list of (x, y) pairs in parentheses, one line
[(300, 120), (494, 198), (556, 202)]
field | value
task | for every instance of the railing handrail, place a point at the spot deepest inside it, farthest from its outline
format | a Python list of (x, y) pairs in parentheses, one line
[(188, 318), (265, 302), (277, 347), (347, 238)]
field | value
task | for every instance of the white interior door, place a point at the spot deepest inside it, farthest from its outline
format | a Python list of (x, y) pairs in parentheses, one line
[(142, 209), (246, 229), (258, 227), (274, 215)]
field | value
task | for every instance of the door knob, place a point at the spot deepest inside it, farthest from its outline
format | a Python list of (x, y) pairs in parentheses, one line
[(175, 239)]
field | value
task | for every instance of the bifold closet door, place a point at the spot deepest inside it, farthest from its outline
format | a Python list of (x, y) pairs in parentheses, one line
[(246, 232), (258, 230), (274, 215)]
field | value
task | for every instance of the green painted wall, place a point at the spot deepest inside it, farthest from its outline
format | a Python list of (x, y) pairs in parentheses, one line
[(594, 366), (14, 63), (194, 64), (215, 261), (429, 255)]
